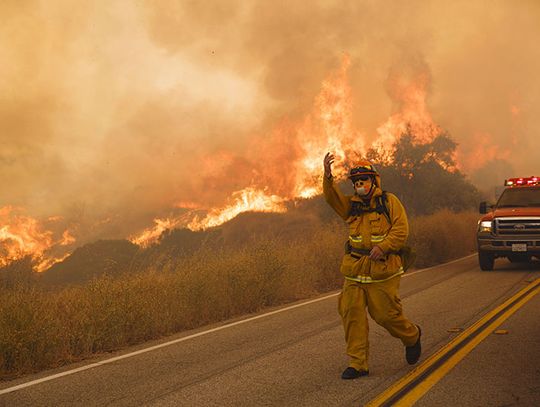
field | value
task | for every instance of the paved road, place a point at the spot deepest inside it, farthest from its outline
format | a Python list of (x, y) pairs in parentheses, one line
[(295, 357)]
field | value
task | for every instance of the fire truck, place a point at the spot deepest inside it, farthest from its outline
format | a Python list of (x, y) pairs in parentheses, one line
[(511, 227)]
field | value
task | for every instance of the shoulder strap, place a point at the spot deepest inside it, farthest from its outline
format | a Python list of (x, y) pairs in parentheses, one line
[(357, 208), (383, 204)]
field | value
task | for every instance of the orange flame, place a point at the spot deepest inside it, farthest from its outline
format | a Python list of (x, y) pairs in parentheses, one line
[(287, 164), (413, 115), (294, 152), (152, 234), (483, 151), (45, 263), (67, 239), (22, 236), (329, 127), (248, 199)]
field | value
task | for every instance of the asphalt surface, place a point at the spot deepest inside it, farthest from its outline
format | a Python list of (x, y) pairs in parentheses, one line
[(295, 357)]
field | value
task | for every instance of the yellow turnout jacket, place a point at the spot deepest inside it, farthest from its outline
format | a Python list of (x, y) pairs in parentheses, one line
[(367, 230)]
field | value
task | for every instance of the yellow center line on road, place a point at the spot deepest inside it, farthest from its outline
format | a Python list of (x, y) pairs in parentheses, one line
[(411, 387)]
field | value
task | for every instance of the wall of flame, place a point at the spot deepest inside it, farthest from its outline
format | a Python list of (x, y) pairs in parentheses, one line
[(122, 119)]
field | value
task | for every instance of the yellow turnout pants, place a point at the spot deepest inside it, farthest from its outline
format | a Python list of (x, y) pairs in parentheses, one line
[(384, 306)]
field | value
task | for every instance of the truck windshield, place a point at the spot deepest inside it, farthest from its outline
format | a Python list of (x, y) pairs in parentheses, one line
[(519, 197)]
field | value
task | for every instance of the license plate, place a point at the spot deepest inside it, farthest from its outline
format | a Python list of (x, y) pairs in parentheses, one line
[(519, 247)]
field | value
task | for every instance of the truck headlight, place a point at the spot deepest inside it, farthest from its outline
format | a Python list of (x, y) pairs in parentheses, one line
[(485, 226)]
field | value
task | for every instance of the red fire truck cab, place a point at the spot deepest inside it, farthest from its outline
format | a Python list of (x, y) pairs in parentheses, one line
[(511, 227)]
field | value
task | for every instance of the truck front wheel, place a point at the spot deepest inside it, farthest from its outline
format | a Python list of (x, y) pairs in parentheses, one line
[(486, 260)]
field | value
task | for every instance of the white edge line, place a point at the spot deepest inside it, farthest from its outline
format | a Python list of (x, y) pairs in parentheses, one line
[(185, 338)]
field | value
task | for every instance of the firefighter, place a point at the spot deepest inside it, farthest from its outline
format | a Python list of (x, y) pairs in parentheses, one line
[(372, 266)]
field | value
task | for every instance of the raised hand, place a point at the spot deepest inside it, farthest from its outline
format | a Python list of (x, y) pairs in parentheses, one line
[(328, 161)]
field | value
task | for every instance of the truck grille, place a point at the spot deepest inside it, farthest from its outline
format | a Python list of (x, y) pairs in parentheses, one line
[(517, 226)]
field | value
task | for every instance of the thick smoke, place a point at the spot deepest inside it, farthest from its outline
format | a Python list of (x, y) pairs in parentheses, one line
[(112, 113)]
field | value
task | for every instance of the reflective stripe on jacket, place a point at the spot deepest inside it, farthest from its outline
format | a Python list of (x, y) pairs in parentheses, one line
[(358, 239)]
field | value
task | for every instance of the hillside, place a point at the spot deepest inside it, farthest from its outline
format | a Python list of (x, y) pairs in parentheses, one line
[(113, 257), (109, 257)]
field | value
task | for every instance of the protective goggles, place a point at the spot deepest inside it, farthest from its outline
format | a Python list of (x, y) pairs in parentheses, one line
[(361, 171), (360, 178)]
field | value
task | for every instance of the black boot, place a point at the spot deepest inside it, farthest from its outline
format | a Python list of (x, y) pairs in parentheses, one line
[(352, 373), (412, 353)]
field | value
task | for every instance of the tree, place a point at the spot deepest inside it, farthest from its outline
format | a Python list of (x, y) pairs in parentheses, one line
[(425, 176)]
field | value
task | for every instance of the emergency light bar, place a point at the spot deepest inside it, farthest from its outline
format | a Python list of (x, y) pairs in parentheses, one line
[(510, 182)]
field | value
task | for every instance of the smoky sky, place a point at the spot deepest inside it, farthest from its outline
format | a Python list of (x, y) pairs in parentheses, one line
[(117, 111)]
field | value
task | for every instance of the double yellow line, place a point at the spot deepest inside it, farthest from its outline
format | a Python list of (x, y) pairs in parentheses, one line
[(407, 390)]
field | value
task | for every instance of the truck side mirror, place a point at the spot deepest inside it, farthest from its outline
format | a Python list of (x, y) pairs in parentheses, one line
[(483, 207)]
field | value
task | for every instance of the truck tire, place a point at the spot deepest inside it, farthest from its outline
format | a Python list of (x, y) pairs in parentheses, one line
[(486, 260)]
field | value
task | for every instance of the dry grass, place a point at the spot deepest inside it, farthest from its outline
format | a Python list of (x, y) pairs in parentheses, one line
[(43, 329), (443, 236), (40, 329)]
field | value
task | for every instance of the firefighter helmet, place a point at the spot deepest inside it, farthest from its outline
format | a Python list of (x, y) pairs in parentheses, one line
[(363, 167)]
